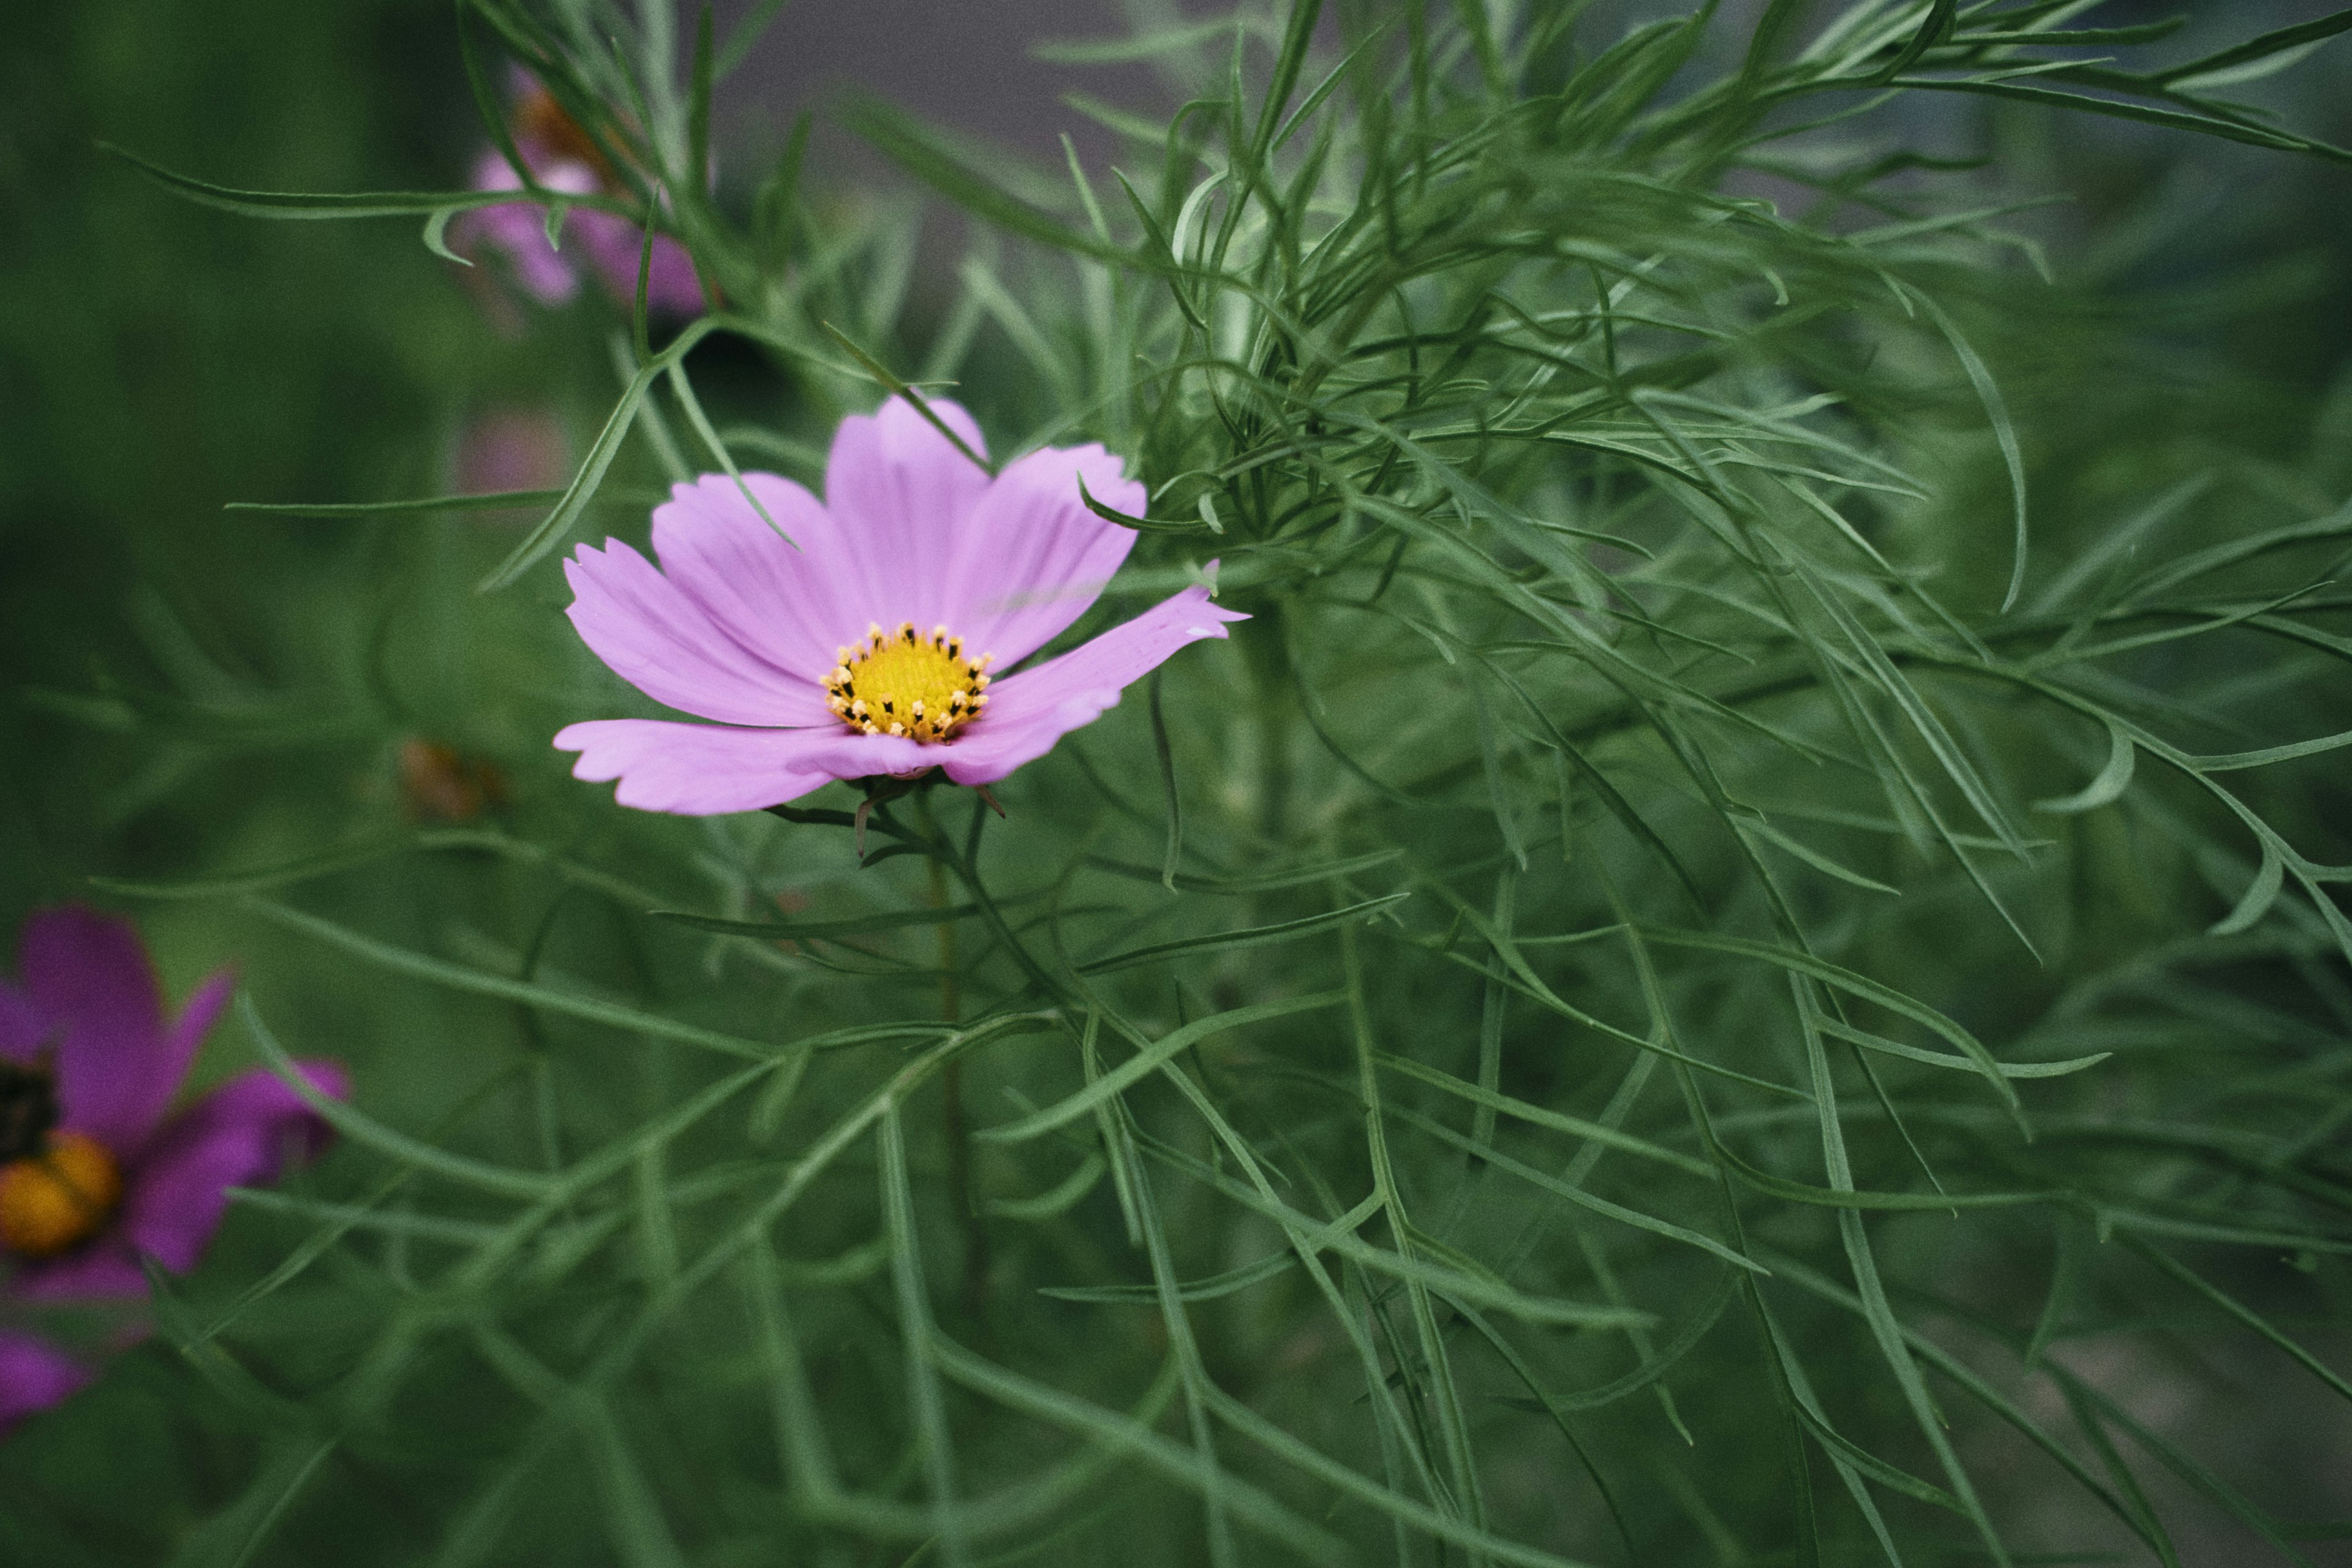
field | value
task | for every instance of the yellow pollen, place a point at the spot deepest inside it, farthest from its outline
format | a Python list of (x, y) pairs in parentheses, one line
[(57, 1198), (905, 682)]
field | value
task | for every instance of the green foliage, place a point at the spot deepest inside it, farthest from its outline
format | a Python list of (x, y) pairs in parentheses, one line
[(1748, 926)]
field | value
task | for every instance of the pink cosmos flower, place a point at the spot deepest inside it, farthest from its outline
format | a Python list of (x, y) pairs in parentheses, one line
[(512, 450), (561, 157), (95, 1171), (863, 647)]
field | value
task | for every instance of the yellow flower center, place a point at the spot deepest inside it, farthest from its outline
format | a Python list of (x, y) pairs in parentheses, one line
[(905, 683), (55, 1199)]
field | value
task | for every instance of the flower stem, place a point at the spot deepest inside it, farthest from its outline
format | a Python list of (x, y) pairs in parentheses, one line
[(1268, 658), (957, 1129)]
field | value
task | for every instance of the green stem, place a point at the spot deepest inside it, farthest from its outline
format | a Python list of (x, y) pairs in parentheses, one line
[(1268, 655), (955, 1125)]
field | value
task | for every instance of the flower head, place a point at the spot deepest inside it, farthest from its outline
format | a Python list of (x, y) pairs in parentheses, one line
[(563, 158), (868, 645), (33, 1375), (96, 1173)]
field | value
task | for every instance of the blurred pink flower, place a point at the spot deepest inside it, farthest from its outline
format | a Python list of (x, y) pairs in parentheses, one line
[(863, 646), (562, 158), (96, 1173), (512, 450)]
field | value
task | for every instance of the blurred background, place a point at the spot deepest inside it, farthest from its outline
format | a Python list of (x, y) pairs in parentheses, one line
[(184, 686)]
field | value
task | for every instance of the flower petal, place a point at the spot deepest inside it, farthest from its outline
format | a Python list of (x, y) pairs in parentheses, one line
[(1031, 557), (241, 1133), (33, 1375), (705, 770), (784, 602), (1029, 711), (614, 246), (21, 1028), (666, 643), (692, 770), (195, 1021), (90, 979), (901, 493), (102, 1269), (519, 229)]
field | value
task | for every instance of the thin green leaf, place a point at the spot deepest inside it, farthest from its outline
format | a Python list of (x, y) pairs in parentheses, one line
[(1146, 1062), (1251, 936)]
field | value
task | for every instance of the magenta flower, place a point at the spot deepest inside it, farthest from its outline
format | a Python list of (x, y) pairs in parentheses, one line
[(865, 647), (33, 1375), (95, 1171), (562, 158)]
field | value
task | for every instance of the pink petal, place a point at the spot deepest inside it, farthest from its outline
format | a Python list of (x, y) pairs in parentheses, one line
[(1029, 711), (784, 602), (518, 233), (520, 83), (513, 449), (33, 1375), (696, 770), (836, 752), (493, 173), (614, 246), (902, 494), (666, 643), (519, 230), (705, 770), (90, 979), (102, 1269), (240, 1134), (1031, 557), (196, 1020), (21, 1028)]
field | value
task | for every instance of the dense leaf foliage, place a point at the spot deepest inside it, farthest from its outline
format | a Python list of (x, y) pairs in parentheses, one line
[(1752, 915)]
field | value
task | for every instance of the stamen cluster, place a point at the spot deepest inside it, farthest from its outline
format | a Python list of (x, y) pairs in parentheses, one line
[(905, 683), (57, 1198)]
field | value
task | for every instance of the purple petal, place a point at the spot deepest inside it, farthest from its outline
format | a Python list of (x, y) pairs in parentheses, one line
[(610, 244), (33, 1375), (102, 1269), (792, 604), (902, 494), (518, 233), (1029, 711), (614, 246), (520, 83), (21, 1027), (195, 1021), (118, 1067), (519, 230), (513, 449), (704, 770), (664, 642), (838, 752), (240, 1134), (1031, 557), (694, 770)]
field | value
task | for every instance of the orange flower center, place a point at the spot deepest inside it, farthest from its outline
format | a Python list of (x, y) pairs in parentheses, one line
[(904, 683), (56, 1199), (538, 117)]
